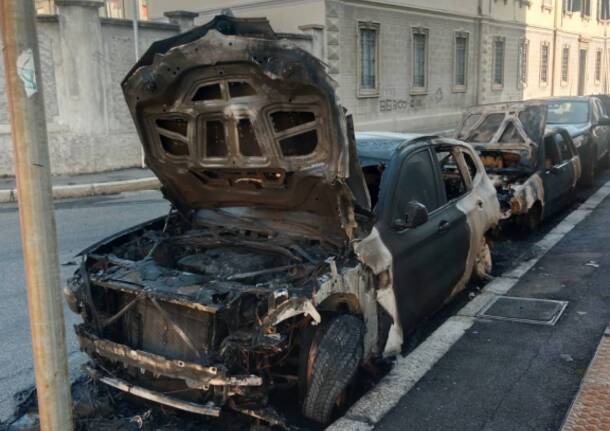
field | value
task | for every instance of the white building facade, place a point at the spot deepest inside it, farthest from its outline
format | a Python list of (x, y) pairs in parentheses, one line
[(408, 65)]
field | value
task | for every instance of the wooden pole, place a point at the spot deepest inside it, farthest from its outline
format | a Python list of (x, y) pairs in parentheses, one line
[(38, 234)]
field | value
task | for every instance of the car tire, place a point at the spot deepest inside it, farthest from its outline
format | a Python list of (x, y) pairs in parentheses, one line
[(530, 222), (336, 357), (483, 264)]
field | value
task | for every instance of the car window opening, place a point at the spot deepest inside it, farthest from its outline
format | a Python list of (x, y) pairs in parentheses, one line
[(487, 129), (567, 112), (416, 183), (176, 125), (240, 89), (302, 144), (552, 155), (284, 120), (372, 177), (248, 144), (454, 183), (511, 135), (174, 147), (215, 139), (208, 92)]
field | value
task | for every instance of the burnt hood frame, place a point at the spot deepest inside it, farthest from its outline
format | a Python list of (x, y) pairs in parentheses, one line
[(328, 184)]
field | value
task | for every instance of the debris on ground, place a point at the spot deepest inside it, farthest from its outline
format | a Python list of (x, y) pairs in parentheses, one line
[(592, 264), (97, 407)]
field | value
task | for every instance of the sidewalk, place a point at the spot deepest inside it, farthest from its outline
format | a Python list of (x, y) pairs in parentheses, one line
[(477, 373), (104, 183)]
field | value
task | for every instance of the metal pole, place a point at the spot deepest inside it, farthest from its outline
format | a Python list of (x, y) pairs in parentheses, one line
[(29, 136), (134, 21)]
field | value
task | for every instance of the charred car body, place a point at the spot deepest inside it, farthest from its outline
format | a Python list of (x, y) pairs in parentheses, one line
[(534, 168), (584, 117), (272, 269)]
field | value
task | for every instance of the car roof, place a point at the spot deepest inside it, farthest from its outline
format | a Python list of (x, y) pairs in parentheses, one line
[(568, 99), (378, 147)]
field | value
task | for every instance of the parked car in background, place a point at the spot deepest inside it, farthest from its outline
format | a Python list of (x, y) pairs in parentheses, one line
[(534, 168), (584, 117), (273, 269)]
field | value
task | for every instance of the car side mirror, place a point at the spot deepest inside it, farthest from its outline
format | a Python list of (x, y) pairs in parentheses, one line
[(603, 121), (416, 214)]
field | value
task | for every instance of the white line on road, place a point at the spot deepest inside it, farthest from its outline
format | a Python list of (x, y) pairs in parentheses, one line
[(408, 370)]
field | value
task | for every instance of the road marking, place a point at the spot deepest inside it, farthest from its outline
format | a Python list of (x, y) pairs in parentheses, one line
[(408, 370)]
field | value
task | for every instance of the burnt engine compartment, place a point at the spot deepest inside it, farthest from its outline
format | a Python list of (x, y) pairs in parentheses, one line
[(179, 292)]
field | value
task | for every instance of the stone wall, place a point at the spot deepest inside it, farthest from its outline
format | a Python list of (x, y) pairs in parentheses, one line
[(83, 60)]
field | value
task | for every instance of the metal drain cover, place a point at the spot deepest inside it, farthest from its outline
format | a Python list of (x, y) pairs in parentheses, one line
[(525, 310)]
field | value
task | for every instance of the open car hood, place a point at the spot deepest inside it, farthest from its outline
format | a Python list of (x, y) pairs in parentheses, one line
[(516, 127), (231, 116)]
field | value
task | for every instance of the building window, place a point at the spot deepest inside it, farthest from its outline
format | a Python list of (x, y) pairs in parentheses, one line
[(522, 66), (586, 8), (45, 7), (420, 59), (115, 9), (598, 66), (369, 59), (547, 4), (565, 64), (460, 62), (603, 10), (570, 6), (498, 62), (544, 63)]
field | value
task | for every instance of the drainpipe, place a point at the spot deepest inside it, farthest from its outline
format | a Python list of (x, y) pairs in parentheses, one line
[(477, 88), (558, 9)]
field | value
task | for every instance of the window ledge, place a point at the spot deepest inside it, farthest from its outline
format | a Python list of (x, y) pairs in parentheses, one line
[(459, 89), (418, 92), (367, 94), (497, 87)]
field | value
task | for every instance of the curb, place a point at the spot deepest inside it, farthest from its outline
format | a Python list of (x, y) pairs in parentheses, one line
[(94, 189)]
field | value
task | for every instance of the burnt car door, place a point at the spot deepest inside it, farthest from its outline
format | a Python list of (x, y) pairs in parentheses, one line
[(600, 129), (429, 256), (559, 172)]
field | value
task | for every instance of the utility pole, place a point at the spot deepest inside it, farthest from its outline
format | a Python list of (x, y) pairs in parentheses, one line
[(134, 23), (38, 235)]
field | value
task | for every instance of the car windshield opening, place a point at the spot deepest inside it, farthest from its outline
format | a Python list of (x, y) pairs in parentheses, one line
[(567, 112)]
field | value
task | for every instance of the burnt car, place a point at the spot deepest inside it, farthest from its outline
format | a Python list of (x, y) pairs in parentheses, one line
[(272, 269), (584, 117), (535, 168)]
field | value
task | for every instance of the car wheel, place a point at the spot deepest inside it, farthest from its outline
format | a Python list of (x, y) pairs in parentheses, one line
[(334, 357), (483, 262), (531, 221)]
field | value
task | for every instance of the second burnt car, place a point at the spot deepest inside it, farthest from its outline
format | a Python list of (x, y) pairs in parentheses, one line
[(535, 168), (273, 269)]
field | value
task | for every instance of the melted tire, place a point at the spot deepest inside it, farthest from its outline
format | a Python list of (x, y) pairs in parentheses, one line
[(338, 356)]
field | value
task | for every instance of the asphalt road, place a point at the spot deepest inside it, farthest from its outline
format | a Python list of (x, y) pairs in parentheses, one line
[(79, 224)]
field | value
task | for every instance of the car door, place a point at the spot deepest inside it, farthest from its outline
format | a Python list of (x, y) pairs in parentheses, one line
[(603, 131), (558, 173), (598, 133), (429, 259)]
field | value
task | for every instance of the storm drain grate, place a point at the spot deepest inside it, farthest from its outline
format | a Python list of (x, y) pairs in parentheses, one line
[(524, 310)]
